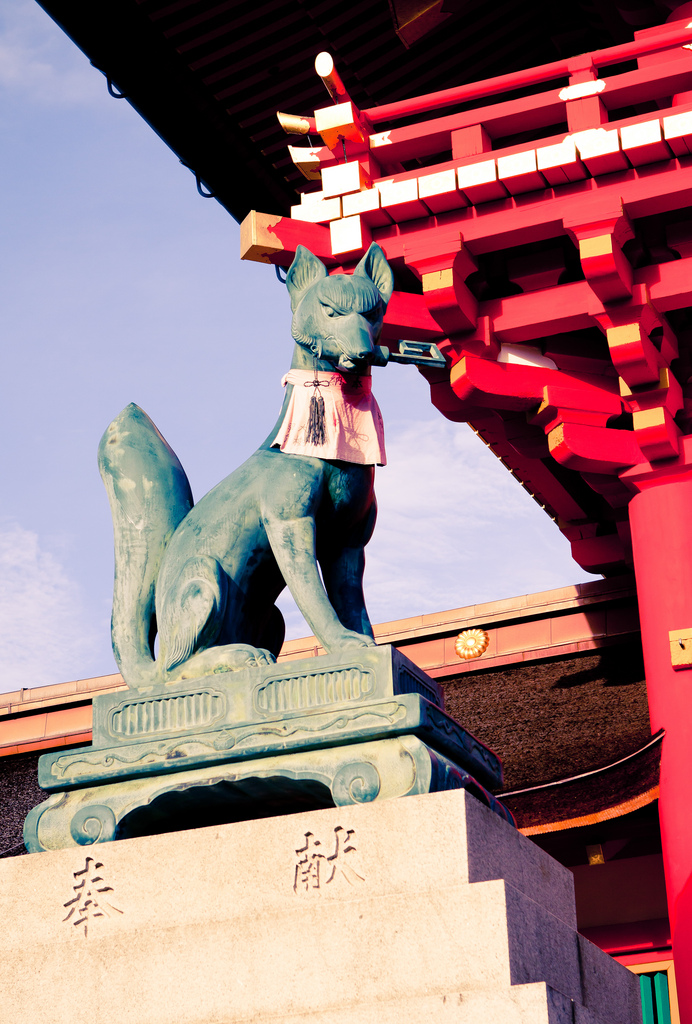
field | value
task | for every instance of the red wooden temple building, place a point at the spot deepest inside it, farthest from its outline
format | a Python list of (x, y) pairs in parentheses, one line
[(543, 243), (539, 226)]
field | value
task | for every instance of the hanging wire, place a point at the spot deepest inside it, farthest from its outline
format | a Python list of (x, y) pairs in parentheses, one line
[(594, 771), (112, 91), (198, 183), (277, 268), (204, 195), (11, 849)]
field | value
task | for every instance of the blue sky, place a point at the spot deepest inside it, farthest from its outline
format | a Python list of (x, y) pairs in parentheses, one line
[(119, 283)]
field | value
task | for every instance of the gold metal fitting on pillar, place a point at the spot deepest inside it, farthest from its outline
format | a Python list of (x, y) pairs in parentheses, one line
[(681, 647)]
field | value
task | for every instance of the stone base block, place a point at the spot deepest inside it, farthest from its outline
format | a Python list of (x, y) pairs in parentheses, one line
[(430, 908)]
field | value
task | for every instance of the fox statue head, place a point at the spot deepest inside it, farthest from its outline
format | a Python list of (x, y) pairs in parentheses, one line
[(337, 320)]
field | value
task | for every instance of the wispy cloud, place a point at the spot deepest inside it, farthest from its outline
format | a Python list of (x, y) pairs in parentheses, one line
[(454, 528), (39, 61), (45, 633)]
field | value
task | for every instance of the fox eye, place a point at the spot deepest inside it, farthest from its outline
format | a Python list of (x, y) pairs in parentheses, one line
[(329, 311)]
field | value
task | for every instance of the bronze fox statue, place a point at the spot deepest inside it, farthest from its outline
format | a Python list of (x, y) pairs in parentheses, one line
[(205, 577)]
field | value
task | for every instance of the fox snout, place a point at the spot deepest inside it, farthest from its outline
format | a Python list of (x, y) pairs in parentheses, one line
[(355, 342)]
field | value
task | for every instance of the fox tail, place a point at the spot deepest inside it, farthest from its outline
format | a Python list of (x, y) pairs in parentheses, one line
[(149, 495)]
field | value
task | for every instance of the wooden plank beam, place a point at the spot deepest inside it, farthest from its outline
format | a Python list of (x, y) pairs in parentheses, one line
[(537, 216), (267, 238), (540, 110)]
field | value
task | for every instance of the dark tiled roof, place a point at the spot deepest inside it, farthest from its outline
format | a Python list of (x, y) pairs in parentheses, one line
[(555, 719), (19, 792)]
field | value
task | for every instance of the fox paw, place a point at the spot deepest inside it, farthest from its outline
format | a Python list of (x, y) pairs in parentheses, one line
[(229, 658), (350, 639)]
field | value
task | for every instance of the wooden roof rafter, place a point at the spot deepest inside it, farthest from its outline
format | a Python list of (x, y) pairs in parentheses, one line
[(215, 105)]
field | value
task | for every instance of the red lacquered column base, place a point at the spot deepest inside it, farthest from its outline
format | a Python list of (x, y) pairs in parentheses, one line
[(661, 521)]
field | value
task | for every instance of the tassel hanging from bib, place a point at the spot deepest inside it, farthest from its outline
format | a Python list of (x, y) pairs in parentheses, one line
[(316, 430), (316, 433)]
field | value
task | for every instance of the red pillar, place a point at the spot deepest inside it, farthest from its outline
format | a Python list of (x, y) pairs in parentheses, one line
[(661, 521)]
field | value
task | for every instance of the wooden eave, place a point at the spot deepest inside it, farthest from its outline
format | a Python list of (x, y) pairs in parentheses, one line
[(209, 76)]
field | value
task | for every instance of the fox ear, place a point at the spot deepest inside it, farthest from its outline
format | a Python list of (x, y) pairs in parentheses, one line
[(303, 272), (374, 265)]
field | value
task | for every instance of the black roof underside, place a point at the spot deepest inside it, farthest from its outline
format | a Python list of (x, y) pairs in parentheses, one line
[(209, 76)]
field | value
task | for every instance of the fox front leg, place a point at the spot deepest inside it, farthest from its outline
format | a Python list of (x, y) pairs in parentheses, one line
[(343, 577), (293, 545), (343, 568), (292, 539)]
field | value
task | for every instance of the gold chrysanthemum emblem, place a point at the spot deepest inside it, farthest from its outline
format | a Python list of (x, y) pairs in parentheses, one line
[(471, 643)]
